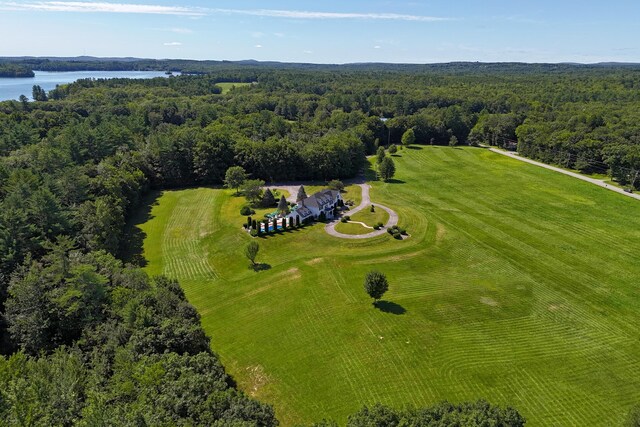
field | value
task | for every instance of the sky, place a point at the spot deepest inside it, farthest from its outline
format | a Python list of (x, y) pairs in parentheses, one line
[(328, 31)]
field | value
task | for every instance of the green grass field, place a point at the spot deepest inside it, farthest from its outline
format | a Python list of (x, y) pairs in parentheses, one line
[(365, 216), (518, 285), (226, 87)]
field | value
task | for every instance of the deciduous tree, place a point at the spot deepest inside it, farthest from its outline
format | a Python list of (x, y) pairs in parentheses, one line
[(251, 251), (252, 190), (235, 177), (380, 154), (387, 169), (408, 138), (376, 284)]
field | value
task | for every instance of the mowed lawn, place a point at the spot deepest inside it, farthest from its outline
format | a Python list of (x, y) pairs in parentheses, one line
[(518, 285)]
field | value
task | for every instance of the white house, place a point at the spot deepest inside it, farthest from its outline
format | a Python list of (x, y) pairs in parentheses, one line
[(311, 207)]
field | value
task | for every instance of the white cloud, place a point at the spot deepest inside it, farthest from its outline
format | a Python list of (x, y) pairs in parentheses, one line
[(376, 47), (173, 44), (279, 35), (90, 7), (257, 34), (106, 7), (301, 14), (307, 51), (258, 46)]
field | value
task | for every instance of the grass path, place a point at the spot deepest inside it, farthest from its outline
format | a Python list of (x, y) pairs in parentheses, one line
[(518, 285)]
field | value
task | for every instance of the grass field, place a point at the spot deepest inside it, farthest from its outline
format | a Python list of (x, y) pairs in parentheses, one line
[(365, 216), (518, 285), (226, 87)]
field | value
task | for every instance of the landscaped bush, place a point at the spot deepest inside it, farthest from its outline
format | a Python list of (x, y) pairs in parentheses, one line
[(397, 232), (246, 210), (376, 227), (253, 233), (380, 225), (344, 219)]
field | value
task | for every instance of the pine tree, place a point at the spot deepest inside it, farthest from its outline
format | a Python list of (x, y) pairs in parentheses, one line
[(301, 194), (283, 206), (267, 199)]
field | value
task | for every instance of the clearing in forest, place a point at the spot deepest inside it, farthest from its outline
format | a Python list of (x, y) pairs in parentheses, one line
[(518, 285)]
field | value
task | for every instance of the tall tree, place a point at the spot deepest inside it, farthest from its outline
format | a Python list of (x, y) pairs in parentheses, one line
[(235, 177), (408, 138), (38, 93), (387, 169), (268, 199), (252, 190), (381, 154), (283, 206), (301, 194)]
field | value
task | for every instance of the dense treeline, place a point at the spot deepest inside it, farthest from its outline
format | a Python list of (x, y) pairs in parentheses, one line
[(116, 349), (478, 413), (74, 167), (14, 70)]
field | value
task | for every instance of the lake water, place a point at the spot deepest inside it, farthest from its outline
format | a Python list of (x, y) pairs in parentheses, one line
[(12, 88)]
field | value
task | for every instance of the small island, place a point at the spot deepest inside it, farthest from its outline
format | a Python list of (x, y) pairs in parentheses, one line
[(14, 71)]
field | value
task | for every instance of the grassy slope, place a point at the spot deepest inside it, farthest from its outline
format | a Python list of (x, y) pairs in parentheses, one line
[(520, 285)]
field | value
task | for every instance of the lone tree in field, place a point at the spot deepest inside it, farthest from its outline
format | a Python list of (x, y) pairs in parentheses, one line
[(235, 177), (408, 138), (283, 206), (387, 169), (301, 194), (375, 283), (453, 141), (393, 149), (251, 251), (380, 154)]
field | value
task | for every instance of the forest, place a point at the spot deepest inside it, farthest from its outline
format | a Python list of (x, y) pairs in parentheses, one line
[(14, 70), (117, 345)]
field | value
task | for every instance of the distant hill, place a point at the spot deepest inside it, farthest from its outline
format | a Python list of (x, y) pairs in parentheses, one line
[(91, 63)]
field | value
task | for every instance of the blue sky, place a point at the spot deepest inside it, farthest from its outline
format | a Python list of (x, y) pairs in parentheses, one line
[(327, 31)]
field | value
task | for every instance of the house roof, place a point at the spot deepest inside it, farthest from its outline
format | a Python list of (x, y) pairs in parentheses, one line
[(321, 198)]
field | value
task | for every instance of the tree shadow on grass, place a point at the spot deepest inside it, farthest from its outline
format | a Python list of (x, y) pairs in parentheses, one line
[(389, 307), (260, 267), (414, 147), (131, 246), (394, 181), (368, 173)]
